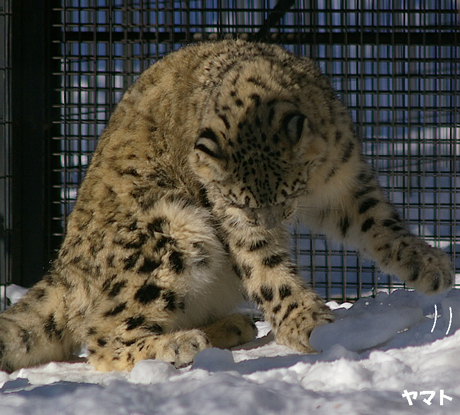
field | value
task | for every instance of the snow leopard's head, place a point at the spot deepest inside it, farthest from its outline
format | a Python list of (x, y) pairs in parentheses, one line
[(258, 140)]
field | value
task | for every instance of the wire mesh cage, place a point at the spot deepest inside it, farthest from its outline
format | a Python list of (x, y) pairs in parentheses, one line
[(394, 63)]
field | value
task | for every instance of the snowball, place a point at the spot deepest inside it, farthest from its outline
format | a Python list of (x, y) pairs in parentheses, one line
[(214, 360), (151, 371), (367, 329)]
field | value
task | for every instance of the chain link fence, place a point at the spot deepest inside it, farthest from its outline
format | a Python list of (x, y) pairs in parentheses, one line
[(394, 63)]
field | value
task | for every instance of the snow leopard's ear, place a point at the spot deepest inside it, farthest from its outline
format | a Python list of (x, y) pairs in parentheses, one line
[(209, 143), (293, 125)]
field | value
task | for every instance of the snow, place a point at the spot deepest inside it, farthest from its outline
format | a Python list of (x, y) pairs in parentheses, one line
[(376, 351)]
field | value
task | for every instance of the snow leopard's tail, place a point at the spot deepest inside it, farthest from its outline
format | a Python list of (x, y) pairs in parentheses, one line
[(35, 329)]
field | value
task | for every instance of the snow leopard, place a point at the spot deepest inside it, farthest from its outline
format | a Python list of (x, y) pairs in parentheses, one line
[(182, 215)]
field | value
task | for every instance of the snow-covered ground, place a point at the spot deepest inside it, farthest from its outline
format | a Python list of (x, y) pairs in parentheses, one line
[(395, 354)]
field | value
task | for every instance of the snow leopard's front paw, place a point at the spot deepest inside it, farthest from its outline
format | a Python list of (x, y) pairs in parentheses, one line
[(299, 320), (180, 348), (231, 331), (427, 269)]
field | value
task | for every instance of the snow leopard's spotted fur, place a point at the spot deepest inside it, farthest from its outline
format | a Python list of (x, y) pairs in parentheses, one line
[(180, 215)]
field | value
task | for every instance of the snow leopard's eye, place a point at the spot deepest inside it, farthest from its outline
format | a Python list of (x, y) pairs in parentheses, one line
[(209, 143), (293, 126)]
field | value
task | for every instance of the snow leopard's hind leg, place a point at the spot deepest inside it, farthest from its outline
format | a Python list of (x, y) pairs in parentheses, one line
[(174, 277)]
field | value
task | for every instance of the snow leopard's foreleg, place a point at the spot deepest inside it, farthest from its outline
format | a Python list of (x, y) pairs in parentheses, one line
[(272, 281), (353, 208)]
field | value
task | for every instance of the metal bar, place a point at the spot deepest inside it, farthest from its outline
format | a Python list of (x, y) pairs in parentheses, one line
[(358, 38), (273, 18), (5, 146), (28, 92)]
